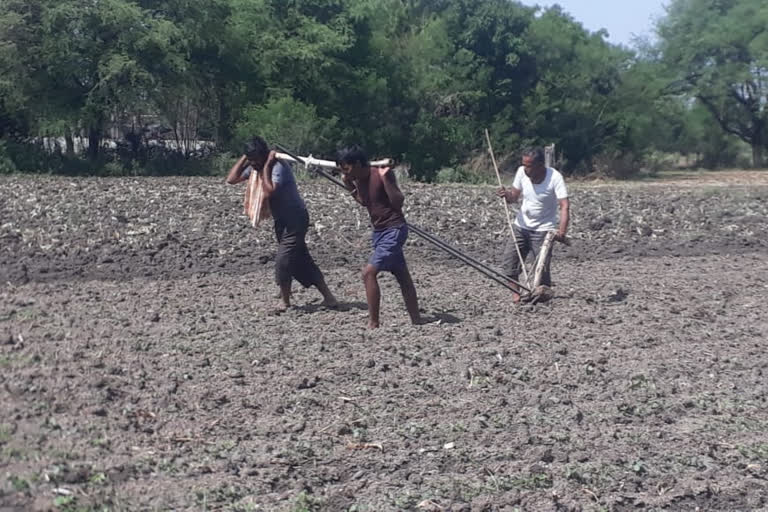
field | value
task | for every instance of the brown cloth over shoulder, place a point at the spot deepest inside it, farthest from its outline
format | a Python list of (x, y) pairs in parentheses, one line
[(255, 203), (374, 196)]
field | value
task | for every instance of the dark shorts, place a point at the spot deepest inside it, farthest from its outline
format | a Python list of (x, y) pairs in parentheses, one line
[(388, 248), (293, 260)]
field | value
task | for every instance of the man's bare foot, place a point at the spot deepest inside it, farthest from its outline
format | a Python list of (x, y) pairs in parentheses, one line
[(516, 297), (373, 325), (330, 303), (282, 306)]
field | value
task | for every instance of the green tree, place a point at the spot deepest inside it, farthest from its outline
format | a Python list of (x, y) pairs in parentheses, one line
[(199, 95), (14, 84), (576, 101), (718, 50), (83, 60), (469, 67), (289, 122)]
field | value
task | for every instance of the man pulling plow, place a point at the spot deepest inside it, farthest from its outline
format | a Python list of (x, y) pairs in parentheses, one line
[(376, 188), (272, 190)]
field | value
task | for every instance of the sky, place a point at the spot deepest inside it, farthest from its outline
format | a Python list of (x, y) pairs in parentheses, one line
[(623, 19)]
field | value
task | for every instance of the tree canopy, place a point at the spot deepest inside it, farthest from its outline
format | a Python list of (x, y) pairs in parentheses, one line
[(414, 79), (719, 52)]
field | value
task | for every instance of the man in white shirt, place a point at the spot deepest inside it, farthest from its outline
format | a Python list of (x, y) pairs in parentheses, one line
[(543, 191)]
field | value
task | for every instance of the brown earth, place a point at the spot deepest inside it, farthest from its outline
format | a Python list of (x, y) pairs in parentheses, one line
[(142, 366)]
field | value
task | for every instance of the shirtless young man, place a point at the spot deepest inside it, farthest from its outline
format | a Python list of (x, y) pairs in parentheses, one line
[(376, 189)]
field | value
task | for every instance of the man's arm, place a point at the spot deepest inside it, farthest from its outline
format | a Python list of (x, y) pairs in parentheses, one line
[(268, 185), (510, 195), (513, 193), (561, 192), (396, 197), (565, 206), (235, 173)]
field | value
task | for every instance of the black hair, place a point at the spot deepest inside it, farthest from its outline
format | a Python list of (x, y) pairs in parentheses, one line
[(536, 153), (352, 155), (256, 147)]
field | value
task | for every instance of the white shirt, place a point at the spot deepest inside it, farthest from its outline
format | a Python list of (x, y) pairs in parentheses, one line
[(539, 211)]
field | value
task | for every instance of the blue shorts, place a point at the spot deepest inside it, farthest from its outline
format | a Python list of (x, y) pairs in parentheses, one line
[(388, 248)]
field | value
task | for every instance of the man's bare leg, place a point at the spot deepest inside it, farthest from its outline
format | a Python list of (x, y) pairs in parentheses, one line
[(285, 297), (516, 292), (403, 277), (328, 299), (372, 295)]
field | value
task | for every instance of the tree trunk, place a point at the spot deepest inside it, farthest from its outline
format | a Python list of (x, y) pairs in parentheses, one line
[(70, 143), (757, 155), (223, 125), (94, 141), (759, 142)]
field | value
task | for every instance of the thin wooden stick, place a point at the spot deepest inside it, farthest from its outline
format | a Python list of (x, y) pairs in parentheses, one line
[(542, 261), (506, 208)]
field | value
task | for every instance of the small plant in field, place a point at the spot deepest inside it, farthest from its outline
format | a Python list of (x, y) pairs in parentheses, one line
[(101, 442), (9, 453), (360, 433), (97, 479), (575, 475), (755, 452), (26, 314), (69, 504), (5, 431), (532, 481), (306, 503), (65, 503), (19, 484), (415, 430), (227, 444), (406, 501), (639, 467), (537, 481), (638, 381)]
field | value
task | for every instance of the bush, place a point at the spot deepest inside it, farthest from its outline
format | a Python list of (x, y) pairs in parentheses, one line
[(113, 169), (616, 164), (221, 163), (157, 161), (476, 170), (459, 174), (289, 122), (6, 163), (28, 157), (656, 162)]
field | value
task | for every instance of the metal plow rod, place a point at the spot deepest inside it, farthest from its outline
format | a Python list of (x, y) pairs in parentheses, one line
[(469, 260)]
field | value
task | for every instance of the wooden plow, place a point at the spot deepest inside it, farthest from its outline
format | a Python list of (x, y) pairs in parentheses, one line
[(319, 166)]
